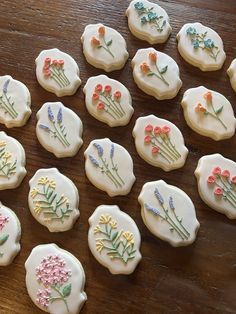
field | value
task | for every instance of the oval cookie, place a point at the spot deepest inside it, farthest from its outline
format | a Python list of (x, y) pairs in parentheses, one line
[(10, 233), (114, 239), (109, 167), (53, 200), (201, 46), (57, 72), (216, 177), (148, 21), (15, 101), (104, 47), (108, 100), (55, 280), (59, 129), (208, 113), (156, 73), (168, 213), (232, 74), (12, 162), (159, 142)]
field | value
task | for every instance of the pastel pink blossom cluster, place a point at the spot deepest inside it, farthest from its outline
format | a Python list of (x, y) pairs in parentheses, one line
[(3, 221), (224, 175), (43, 297)]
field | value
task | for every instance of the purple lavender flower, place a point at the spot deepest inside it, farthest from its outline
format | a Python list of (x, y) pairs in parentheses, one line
[(94, 161), (5, 86), (44, 127), (158, 196), (50, 114), (112, 150), (59, 116), (99, 149), (171, 203), (154, 210)]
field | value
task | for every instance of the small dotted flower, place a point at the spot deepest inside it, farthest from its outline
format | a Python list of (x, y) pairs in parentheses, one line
[(34, 192), (3, 221), (113, 224), (104, 219), (99, 245), (43, 297), (97, 229), (128, 236), (37, 208), (52, 184), (43, 180)]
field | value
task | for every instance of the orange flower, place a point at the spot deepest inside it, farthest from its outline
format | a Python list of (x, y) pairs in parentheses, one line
[(153, 56), (95, 41), (208, 96), (101, 30), (144, 68), (200, 108)]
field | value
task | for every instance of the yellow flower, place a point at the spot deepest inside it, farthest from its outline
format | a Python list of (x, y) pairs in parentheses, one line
[(52, 184), (104, 219), (7, 155), (2, 143), (113, 224), (43, 180), (99, 245), (34, 192), (128, 236), (37, 208), (97, 229)]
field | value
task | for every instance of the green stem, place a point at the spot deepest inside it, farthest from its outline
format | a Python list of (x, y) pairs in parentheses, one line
[(119, 108), (60, 137), (229, 198), (165, 150), (162, 154), (116, 171), (11, 105), (5, 107), (216, 115), (161, 76), (228, 188), (111, 105), (109, 172), (107, 111), (172, 149), (56, 77), (62, 297), (180, 223)]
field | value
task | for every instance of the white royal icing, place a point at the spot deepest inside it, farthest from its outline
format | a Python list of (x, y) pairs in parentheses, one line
[(232, 74)]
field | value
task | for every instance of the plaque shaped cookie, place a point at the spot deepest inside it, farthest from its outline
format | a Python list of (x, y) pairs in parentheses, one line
[(108, 100), (109, 167), (10, 233), (168, 213), (12, 162), (208, 113), (15, 101), (216, 177), (55, 280), (201, 46), (59, 129), (53, 200), (232, 74), (156, 73), (159, 142), (148, 21), (114, 239), (57, 72), (104, 47)]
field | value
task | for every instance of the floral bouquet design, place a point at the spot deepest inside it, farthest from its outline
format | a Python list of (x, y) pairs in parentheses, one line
[(7, 165), (54, 69), (225, 187), (118, 244), (102, 42), (6, 103), (54, 276), (3, 237)]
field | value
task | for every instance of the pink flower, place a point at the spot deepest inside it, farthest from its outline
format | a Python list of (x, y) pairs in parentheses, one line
[(165, 129), (216, 170), (98, 88), (148, 128), (233, 180), (3, 221), (225, 174), (100, 106), (218, 191), (61, 62), (107, 88), (47, 74), (157, 130), (155, 150), (95, 97), (211, 179), (55, 62), (47, 61), (43, 297), (147, 139), (117, 94)]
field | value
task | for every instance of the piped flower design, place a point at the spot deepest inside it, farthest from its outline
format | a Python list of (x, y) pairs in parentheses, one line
[(158, 137), (108, 102), (119, 244), (4, 236), (54, 276), (148, 16), (209, 104), (200, 41), (6, 102), (58, 130), (102, 43), (54, 69), (146, 69), (224, 185), (7, 165)]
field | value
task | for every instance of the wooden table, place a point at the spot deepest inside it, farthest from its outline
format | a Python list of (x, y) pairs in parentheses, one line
[(196, 279)]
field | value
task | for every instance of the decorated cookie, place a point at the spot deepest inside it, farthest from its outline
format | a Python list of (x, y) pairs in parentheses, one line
[(148, 21), (12, 162), (53, 200), (108, 100), (168, 213), (208, 113), (156, 73), (159, 142), (57, 72), (201, 46), (10, 233), (59, 129), (55, 280), (216, 178), (109, 167), (232, 74), (15, 102), (114, 239), (104, 47)]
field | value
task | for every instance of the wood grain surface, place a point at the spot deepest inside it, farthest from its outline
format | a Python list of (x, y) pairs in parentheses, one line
[(195, 279)]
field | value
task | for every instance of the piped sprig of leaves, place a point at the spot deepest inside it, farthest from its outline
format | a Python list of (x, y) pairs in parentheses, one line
[(7, 166), (6, 103)]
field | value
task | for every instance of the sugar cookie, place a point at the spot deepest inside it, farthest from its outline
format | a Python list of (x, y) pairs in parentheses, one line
[(104, 47), (201, 46), (59, 129), (216, 177), (109, 167), (108, 100), (55, 280), (148, 21), (159, 142), (208, 113), (57, 72), (232, 74), (53, 200), (114, 239), (10, 233)]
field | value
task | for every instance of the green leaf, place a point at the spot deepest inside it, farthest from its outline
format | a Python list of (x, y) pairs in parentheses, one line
[(219, 110), (109, 43), (66, 290), (3, 238), (114, 236), (150, 74), (163, 70)]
